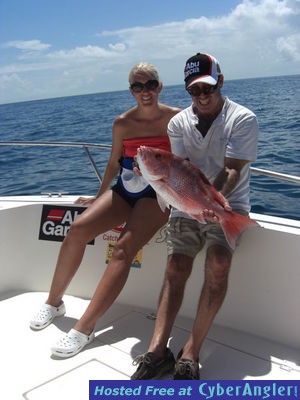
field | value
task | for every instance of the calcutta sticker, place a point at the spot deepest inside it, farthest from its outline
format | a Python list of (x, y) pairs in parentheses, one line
[(136, 262), (56, 221)]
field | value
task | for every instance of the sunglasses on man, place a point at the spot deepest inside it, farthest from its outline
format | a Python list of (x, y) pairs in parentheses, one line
[(196, 91)]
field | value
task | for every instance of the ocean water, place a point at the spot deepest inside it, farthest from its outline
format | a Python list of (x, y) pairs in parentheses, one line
[(89, 118)]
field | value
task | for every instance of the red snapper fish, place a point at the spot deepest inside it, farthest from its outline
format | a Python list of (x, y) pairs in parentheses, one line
[(182, 185)]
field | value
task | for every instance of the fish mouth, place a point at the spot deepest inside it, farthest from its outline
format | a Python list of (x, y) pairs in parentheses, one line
[(142, 149), (142, 153), (146, 158)]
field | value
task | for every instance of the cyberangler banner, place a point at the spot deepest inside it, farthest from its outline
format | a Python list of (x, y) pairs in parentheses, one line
[(191, 390)]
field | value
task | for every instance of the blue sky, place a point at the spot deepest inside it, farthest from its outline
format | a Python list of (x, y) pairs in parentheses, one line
[(66, 47)]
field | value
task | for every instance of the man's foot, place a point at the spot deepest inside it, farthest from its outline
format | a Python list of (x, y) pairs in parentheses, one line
[(186, 369), (151, 367)]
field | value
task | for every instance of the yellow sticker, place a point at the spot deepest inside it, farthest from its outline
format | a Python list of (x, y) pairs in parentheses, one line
[(136, 262)]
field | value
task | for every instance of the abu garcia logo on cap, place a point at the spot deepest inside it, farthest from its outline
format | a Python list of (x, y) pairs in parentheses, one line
[(191, 68)]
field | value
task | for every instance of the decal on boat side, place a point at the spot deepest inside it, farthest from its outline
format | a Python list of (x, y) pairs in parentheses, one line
[(111, 237), (136, 262), (56, 221)]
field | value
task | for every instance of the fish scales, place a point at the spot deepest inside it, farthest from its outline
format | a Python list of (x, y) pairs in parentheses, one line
[(182, 185)]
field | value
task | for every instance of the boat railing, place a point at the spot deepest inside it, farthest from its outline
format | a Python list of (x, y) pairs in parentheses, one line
[(86, 146)]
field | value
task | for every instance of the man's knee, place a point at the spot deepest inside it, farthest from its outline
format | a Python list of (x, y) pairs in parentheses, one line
[(179, 268)]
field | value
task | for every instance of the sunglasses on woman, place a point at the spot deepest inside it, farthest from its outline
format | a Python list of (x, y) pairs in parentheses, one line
[(197, 91), (138, 87)]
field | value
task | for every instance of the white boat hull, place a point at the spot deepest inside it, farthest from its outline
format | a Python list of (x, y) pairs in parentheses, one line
[(256, 331), (263, 294)]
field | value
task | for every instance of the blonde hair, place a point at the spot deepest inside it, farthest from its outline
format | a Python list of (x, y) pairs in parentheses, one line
[(143, 68)]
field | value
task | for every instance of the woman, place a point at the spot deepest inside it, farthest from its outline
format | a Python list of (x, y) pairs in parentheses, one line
[(131, 200)]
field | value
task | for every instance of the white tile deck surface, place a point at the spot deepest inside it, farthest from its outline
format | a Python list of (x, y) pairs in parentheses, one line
[(30, 372)]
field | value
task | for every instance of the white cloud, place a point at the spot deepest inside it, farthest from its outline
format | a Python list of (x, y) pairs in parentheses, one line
[(80, 53), (248, 41), (27, 45), (290, 46), (254, 39), (25, 67), (119, 47)]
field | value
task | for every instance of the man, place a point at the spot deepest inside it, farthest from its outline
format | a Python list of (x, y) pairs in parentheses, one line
[(220, 137)]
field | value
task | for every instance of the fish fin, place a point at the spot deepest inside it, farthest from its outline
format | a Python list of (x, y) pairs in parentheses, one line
[(234, 225), (162, 204)]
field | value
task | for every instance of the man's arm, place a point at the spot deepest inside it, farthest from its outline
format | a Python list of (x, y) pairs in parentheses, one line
[(225, 182), (228, 177)]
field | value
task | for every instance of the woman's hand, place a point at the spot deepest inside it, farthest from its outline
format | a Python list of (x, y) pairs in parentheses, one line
[(85, 201), (135, 167)]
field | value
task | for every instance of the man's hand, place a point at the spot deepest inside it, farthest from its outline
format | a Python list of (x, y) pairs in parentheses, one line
[(227, 206), (210, 216)]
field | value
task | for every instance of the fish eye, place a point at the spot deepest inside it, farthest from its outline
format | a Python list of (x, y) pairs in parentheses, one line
[(158, 156)]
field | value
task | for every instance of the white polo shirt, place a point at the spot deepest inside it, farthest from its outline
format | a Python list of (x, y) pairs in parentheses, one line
[(233, 134)]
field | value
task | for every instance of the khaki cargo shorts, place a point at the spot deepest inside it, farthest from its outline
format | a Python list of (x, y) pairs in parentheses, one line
[(188, 236)]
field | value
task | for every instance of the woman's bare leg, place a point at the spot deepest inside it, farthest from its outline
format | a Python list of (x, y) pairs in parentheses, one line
[(144, 221), (108, 211)]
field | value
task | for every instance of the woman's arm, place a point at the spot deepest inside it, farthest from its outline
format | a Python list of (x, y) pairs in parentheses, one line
[(113, 166)]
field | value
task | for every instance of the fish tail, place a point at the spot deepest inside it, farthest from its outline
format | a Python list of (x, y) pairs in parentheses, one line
[(234, 225)]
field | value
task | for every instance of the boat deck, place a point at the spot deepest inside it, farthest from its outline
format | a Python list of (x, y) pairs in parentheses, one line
[(124, 332)]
